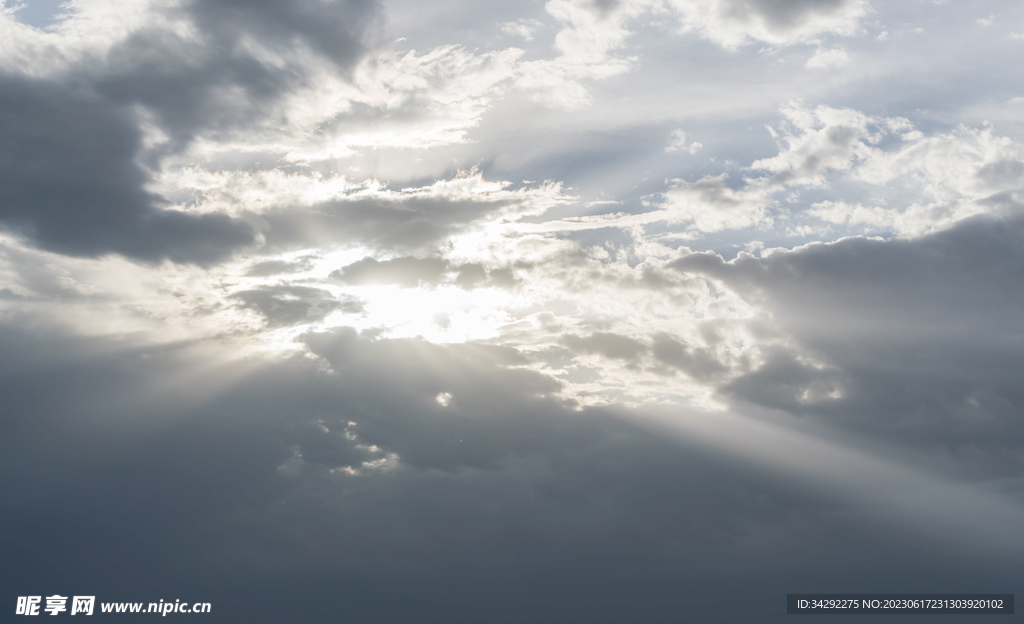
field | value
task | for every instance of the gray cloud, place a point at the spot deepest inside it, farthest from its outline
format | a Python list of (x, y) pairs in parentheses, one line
[(229, 496), (406, 271), (74, 169), (910, 340), (607, 344), (410, 272), (735, 22), (471, 274), (409, 224), (69, 180), (277, 267), (291, 305), (784, 16), (698, 362), (1002, 174), (183, 81)]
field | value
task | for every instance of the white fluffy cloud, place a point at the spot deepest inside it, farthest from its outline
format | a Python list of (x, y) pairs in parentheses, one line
[(821, 140), (710, 206), (943, 178), (823, 59), (678, 143)]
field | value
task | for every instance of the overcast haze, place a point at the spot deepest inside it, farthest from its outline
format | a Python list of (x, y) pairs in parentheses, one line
[(577, 311)]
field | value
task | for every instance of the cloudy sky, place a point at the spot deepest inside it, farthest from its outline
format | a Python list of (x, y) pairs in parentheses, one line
[(564, 311)]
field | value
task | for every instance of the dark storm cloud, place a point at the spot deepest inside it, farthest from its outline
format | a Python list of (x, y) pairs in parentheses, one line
[(73, 170), (185, 100), (489, 413), (507, 506), (918, 341), (337, 29), (69, 179), (159, 69)]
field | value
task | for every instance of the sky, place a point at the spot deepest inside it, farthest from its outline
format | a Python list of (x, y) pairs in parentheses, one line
[(566, 311)]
